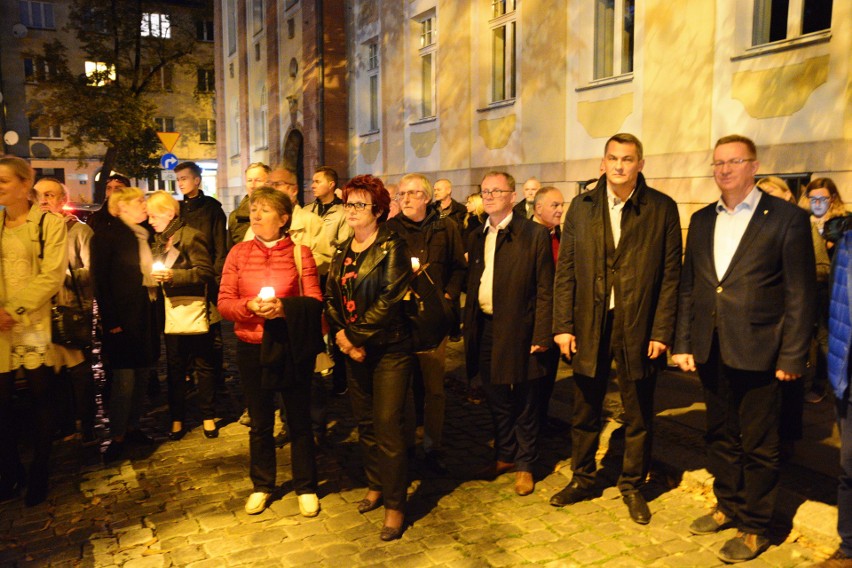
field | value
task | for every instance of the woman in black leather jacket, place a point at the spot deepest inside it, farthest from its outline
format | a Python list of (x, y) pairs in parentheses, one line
[(366, 282)]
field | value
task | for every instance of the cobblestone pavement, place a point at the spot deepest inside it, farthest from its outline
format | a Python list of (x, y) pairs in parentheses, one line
[(181, 504)]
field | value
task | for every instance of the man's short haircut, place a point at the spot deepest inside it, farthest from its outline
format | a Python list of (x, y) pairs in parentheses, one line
[(119, 178), (285, 167), (733, 138), (421, 179), (542, 193), (260, 165), (122, 195), (443, 179), (63, 191), (510, 181), (329, 173), (626, 138), (163, 201), (196, 169)]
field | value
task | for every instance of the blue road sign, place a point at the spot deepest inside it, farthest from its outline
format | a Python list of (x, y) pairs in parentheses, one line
[(168, 161)]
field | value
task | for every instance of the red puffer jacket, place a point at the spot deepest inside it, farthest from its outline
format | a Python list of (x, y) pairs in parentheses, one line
[(250, 266)]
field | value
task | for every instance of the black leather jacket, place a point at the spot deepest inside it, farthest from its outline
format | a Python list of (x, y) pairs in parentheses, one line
[(383, 274)]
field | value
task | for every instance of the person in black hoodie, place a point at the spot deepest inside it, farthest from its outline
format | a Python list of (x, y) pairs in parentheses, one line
[(436, 242)]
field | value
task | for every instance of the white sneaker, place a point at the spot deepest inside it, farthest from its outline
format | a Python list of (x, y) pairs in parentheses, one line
[(256, 503), (309, 505)]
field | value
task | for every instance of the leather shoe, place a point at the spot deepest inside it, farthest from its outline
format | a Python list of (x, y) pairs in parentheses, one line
[(365, 505), (175, 436), (495, 469), (573, 493), (743, 547), (638, 508), (524, 483), (711, 523), (391, 533), (214, 433)]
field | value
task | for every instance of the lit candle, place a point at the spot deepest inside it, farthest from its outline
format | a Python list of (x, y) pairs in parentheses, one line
[(158, 266), (415, 263), (266, 293)]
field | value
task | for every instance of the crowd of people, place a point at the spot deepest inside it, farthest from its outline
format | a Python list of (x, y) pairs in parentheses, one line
[(343, 281)]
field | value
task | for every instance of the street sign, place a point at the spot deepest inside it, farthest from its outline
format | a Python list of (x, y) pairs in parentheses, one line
[(168, 175), (168, 161), (169, 139)]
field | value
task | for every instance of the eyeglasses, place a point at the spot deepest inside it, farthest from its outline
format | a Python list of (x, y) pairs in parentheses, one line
[(414, 194), (719, 164), (819, 199), (356, 206), (494, 192)]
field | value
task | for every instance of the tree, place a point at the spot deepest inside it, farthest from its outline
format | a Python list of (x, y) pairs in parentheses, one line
[(127, 46)]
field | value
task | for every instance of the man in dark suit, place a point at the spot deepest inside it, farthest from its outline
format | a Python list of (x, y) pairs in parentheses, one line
[(615, 297), (746, 313), (507, 328), (526, 207)]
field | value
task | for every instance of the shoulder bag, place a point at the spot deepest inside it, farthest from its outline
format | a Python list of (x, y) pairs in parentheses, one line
[(324, 361)]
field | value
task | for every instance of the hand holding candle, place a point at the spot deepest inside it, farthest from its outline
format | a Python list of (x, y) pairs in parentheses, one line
[(415, 263), (266, 293), (158, 267)]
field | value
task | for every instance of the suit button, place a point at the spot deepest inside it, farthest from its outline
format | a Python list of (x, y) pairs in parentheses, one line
[(719, 290)]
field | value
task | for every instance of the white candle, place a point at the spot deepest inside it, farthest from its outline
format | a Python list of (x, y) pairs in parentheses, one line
[(158, 266), (266, 293), (415, 263)]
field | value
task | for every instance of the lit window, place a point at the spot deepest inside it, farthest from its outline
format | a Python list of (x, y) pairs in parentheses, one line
[(503, 59), (164, 124), (428, 46), (613, 43), (156, 25), (99, 73), (38, 15), (776, 20), (207, 131)]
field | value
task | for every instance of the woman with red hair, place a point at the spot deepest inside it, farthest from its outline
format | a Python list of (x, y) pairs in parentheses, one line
[(366, 283)]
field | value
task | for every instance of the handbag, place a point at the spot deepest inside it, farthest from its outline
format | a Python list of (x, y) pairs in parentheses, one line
[(323, 362), (186, 315), (429, 312)]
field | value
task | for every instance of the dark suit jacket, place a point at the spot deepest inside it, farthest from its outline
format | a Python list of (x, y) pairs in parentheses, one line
[(520, 209), (645, 271), (764, 306), (523, 294)]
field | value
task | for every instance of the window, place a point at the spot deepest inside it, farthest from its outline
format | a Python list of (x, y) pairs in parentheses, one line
[(94, 21), (257, 15), (207, 131), (428, 45), (613, 44), (503, 62), (776, 20), (156, 25), (99, 73), (234, 130), (231, 15), (206, 81), (38, 128), (291, 28), (204, 30), (257, 51), (164, 124), (38, 15), (373, 78), (36, 69), (162, 79), (260, 117)]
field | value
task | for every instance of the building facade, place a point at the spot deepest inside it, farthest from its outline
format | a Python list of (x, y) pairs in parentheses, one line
[(184, 95)]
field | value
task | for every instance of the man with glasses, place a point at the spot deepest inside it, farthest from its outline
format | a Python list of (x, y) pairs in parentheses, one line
[(746, 315), (615, 297), (437, 243), (507, 325), (257, 175)]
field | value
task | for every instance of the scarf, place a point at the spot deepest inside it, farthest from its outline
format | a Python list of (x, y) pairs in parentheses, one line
[(161, 240), (146, 260)]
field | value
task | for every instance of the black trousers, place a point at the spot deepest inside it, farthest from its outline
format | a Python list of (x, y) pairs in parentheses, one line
[(742, 440), (181, 350), (378, 388), (638, 401), (261, 407), (514, 407)]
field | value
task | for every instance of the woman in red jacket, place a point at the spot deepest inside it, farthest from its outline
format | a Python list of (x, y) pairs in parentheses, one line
[(259, 278)]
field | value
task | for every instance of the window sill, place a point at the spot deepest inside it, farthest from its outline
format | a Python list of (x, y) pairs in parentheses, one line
[(822, 36), (497, 104), (369, 133), (424, 120), (46, 138), (210, 143), (606, 82)]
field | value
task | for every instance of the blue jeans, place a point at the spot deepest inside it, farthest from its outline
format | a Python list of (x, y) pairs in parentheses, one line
[(844, 488), (126, 399)]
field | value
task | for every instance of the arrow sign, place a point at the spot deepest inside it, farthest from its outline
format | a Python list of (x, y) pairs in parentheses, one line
[(168, 161), (169, 139)]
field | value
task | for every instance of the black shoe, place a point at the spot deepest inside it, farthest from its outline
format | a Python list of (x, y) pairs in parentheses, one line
[(175, 436), (115, 451), (138, 437), (214, 433), (391, 533), (638, 508), (573, 493), (711, 523), (281, 439), (743, 547)]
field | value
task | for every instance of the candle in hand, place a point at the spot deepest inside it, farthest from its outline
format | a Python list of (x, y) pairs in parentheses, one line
[(266, 293), (415, 263), (158, 267)]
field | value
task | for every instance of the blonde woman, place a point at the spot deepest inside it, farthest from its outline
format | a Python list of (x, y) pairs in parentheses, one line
[(33, 256)]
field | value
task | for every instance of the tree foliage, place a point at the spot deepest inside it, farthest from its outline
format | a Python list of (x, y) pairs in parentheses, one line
[(132, 44)]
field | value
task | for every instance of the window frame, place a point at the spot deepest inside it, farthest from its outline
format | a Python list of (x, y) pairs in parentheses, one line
[(207, 126), (54, 130), (44, 8), (373, 85), (163, 30), (428, 53), (205, 31), (162, 123), (205, 80), (613, 45), (762, 33), (503, 27)]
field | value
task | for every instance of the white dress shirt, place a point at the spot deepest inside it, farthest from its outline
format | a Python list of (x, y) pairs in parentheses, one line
[(730, 227), (486, 282)]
